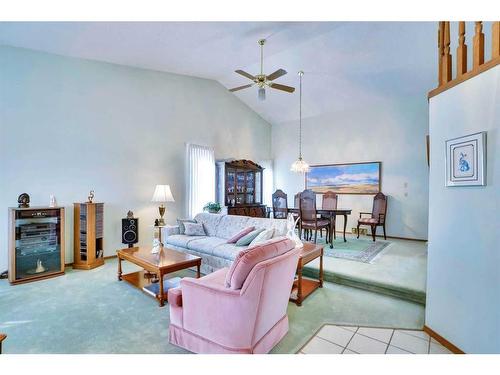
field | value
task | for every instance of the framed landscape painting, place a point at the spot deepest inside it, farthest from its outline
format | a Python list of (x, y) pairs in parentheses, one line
[(466, 160), (353, 178)]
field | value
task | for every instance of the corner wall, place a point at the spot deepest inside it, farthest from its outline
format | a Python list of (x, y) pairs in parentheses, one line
[(463, 278), (70, 125)]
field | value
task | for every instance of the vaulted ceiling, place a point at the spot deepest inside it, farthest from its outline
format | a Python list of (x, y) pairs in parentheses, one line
[(345, 63)]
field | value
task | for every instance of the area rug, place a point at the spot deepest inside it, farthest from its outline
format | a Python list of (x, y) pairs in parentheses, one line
[(358, 250)]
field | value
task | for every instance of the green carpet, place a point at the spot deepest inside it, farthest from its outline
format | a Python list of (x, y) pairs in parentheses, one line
[(91, 312), (399, 270)]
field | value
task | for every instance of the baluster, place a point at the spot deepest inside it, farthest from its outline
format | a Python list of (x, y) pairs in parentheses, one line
[(478, 45), (440, 53), (461, 50), (446, 53), (495, 40)]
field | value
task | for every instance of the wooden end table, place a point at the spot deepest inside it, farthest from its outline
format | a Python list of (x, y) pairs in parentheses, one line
[(160, 264), (303, 287)]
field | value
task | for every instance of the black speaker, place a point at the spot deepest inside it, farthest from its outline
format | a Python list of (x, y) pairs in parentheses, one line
[(130, 231)]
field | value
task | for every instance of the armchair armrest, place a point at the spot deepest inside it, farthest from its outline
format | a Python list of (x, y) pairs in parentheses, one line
[(364, 213), (175, 297), (169, 230)]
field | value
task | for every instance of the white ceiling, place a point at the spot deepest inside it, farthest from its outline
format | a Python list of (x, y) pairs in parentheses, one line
[(345, 63)]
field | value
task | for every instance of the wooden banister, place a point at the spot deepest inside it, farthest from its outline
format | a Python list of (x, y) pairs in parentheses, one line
[(461, 50), (446, 54), (478, 45), (445, 76), (495, 40)]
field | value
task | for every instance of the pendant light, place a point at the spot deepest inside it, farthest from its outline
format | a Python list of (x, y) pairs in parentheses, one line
[(299, 165)]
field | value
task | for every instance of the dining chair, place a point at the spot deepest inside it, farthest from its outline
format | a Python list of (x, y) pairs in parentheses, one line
[(377, 216), (329, 202), (309, 216), (280, 204)]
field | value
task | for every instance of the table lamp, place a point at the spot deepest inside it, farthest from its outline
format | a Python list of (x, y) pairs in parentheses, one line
[(162, 195)]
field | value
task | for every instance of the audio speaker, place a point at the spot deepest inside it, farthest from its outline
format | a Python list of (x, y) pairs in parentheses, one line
[(130, 231)]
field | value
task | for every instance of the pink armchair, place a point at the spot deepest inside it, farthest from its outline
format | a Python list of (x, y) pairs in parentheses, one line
[(242, 309)]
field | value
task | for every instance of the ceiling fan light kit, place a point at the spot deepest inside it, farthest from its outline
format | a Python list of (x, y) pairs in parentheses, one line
[(261, 80)]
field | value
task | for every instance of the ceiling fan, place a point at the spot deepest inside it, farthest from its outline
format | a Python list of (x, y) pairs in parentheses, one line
[(262, 80)]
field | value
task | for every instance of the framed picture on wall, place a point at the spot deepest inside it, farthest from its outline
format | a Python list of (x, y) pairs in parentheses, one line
[(466, 160), (351, 178)]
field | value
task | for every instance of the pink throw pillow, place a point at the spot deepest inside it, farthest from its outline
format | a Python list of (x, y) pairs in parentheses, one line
[(240, 234), (248, 258)]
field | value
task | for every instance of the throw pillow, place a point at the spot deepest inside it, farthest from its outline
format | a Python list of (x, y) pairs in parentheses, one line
[(262, 237), (240, 234), (246, 239), (194, 229), (180, 223)]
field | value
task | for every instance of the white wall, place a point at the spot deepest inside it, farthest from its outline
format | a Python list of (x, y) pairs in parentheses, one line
[(463, 278), (71, 125), (387, 129)]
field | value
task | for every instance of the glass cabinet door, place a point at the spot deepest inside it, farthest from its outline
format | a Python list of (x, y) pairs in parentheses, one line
[(230, 187), (37, 242)]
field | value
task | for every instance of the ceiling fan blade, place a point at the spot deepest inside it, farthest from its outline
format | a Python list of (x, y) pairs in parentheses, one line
[(276, 74), (245, 74), (277, 86), (241, 87)]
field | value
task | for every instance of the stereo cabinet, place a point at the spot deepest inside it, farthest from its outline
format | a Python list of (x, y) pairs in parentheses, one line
[(88, 235), (36, 243)]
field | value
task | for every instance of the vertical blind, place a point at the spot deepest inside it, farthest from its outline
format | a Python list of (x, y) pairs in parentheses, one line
[(201, 177)]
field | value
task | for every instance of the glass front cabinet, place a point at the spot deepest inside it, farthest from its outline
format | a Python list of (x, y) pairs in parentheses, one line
[(36, 243), (242, 188)]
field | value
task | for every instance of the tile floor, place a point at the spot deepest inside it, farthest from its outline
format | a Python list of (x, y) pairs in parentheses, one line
[(335, 339)]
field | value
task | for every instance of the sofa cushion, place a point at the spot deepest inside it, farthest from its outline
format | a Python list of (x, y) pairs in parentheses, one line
[(279, 225), (209, 221), (240, 234), (247, 259), (227, 251), (180, 223), (263, 236), (205, 244), (180, 240), (229, 225), (246, 239), (194, 229)]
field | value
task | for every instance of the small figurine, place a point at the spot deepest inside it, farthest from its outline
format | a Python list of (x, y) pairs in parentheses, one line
[(157, 222), (91, 196), (23, 200), (130, 215), (52, 202), (156, 246), (39, 267)]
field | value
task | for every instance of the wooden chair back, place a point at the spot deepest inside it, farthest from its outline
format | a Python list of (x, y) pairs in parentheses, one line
[(329, 201), (379, 207), (308, 206), (280, 204)]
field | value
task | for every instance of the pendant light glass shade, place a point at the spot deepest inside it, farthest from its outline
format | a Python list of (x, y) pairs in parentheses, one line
[(299, 165)]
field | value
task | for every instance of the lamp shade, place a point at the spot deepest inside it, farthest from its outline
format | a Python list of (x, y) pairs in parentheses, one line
[(162, 194)]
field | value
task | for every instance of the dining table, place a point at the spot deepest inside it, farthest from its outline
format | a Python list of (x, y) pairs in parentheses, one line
[(331, 214)]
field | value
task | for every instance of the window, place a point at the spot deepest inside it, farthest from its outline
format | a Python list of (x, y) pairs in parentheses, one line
[(201, 177)]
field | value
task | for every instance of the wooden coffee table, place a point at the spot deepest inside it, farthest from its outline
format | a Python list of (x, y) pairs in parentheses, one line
[(302, 287), (160, 264)]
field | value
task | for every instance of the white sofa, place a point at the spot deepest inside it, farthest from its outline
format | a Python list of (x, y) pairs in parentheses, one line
[(213, 248)]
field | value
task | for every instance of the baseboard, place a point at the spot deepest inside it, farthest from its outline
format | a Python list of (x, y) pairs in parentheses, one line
[(448, 345), (108, 257)]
